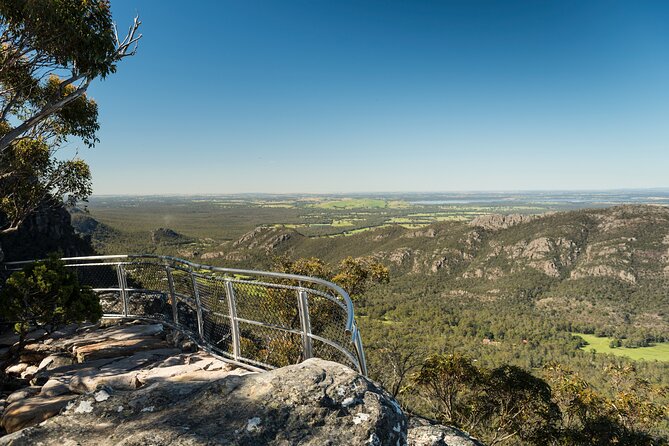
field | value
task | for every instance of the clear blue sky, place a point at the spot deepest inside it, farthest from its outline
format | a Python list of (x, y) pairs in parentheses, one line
[(353, 95)]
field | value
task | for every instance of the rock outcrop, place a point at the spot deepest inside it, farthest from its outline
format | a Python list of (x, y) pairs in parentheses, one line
[(90, 229), (313, 403), (134, 384), (78, 360), (424, 432), (494, 222), (47, 230)]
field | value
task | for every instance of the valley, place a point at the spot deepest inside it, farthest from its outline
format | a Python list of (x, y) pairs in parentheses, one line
[(501, 281)]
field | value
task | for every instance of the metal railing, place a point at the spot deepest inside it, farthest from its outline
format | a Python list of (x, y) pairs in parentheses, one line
[(253, 318)]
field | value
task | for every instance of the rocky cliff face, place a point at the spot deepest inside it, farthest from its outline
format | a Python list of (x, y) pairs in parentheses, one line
[(495, 222), (46, 231), (135, 385)]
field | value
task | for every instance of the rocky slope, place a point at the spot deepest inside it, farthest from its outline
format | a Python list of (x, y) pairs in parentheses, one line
[(569, 244), (616, 257), (90, 229), (138, 384), (46, 231)]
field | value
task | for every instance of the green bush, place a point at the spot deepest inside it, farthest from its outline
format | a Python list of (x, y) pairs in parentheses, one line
[(47, 295)]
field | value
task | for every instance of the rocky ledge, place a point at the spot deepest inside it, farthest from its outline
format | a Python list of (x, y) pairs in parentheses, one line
[(141, 384)]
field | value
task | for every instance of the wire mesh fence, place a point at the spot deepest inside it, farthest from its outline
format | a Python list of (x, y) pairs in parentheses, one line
[(255, 318)]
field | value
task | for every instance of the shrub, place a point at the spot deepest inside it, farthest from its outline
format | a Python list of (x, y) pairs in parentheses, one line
[(46, 295)]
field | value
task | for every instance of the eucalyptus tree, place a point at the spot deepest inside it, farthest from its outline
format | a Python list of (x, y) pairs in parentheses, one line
[(50, 52)]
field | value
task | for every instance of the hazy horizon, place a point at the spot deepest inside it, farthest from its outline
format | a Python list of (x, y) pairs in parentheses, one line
[(406, 192)]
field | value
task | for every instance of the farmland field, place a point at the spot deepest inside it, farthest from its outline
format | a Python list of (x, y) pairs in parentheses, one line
[(656, 352), (227, 217)]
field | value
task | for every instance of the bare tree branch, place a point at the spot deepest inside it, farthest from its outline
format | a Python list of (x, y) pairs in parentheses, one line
[(126, 47)]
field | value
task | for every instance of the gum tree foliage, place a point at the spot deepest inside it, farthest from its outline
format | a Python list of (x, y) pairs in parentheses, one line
[(450, 382), (630, 415), (508, 405), (502, 406), (46, 295), (50, 52), (280, 306), (517, 405), (353, 275), (392, 363)]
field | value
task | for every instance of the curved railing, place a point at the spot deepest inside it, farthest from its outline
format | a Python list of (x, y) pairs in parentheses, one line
[(253, 318)]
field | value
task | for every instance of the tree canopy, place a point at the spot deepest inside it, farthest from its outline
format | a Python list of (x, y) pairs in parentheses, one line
[(50, 51)]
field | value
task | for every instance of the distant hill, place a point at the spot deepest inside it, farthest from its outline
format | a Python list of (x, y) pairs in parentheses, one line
[(167, 236), (604, 270), (604, 266), (529, 290), (91, 229)]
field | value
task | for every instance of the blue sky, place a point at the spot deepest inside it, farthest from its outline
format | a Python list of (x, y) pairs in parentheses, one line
[(351, 95)]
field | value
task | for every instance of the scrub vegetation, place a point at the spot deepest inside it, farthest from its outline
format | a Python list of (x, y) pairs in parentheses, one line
[(504, 296)]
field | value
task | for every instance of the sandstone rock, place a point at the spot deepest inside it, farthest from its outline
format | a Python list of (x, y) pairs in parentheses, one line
[(35, 353), (29, 372), (423, 432), (191, 371), (313, 403), (16, 369), (122, 374), (547, 267), (89, 382), (249, 236), (113, 348), (400, 255), (212, 255), (22, 394), (538, 248), (55, 361), (66, 372), (31, 411), (276, 241), (429, 233), (54, 387), (141, 359), (495, 222), (603, 270), (114, 333)]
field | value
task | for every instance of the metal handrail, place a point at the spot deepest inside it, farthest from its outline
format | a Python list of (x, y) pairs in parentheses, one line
[(333, 292)]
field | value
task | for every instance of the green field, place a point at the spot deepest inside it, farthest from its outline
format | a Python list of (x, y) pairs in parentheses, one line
[(352, 203), (657, 352), (226, 218)]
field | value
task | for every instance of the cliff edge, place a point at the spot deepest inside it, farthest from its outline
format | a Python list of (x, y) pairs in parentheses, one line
[(135, 384)]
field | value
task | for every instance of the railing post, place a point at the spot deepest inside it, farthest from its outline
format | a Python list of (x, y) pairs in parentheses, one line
[(173, 295), (120, 274), (234, 325), (305, 321), (359, 351), (198, 304)]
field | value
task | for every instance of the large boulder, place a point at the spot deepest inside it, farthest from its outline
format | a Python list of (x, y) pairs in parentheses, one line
[(313, 403), (29, 411), (424, 432)]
